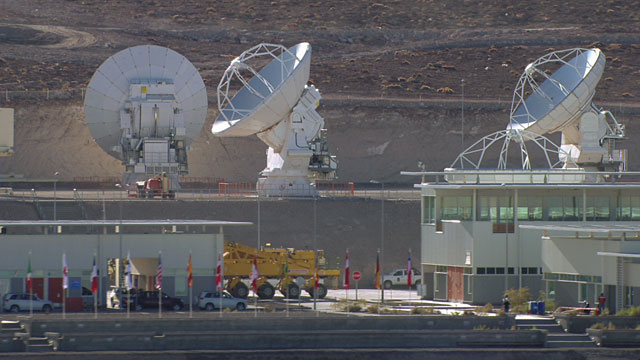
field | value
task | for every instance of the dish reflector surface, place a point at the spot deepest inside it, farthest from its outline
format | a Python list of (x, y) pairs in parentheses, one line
[(562, 97), (109, 90), (269, 96)]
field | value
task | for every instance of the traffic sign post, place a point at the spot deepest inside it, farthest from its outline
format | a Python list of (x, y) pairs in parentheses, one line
[(357, 276)]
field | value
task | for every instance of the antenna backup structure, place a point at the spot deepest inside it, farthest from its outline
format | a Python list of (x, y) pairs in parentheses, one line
[(277, 105), (561, 102), (146, 105)]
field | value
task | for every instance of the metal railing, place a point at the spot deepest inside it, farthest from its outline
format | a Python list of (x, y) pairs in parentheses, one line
[(210, 194)]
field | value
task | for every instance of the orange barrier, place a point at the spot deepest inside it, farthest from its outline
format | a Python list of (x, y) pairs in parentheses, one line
[(226, 189), (336, 188)]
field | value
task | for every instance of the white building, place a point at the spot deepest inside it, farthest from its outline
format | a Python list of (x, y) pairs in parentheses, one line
[(42, 243), (481, 235)]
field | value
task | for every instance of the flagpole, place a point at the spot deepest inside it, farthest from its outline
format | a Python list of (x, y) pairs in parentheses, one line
[(159, 284), (64, 285), (346, 279), (30, 281), (190, 284), (95, 291), (220, 281), (128, 284)]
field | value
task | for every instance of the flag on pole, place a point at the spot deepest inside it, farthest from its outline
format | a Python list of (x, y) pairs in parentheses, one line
[(219, 273), (128, 277), (346, 271), (94, 276), (65, 272), (254, 275), (409, 270), (378, 271), (159, 273), (190, 272), (29, 274)]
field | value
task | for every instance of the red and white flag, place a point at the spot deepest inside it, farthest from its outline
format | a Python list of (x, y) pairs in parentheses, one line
[(190, 272), (409, 271), (254, 275), (219, 274), (65, 272), (347, 275), (29, 275), (94, 276), (159, 272)]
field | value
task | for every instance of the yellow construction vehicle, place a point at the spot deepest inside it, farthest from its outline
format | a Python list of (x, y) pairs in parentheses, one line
[(289, 270)]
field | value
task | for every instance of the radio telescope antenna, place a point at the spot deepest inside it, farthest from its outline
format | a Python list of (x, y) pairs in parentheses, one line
[(545, 102), (277, 105), (146, 105)]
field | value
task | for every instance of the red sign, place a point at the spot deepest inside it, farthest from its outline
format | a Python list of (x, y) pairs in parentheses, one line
[(356, 275)]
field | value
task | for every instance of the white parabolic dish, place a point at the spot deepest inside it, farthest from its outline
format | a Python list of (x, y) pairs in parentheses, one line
[(562, 97), (268, 97), (109, 89)]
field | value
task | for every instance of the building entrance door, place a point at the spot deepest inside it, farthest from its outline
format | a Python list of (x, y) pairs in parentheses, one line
[(455, 284), (38, 287), (55, 290)]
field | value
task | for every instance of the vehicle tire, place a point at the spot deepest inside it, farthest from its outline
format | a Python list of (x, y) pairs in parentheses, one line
[(46, 309), (322, 291), (266, 291), (240, 306), (293, 291), (14, 308), (210, 307), (240, 291), (387, 284), (177, 307)]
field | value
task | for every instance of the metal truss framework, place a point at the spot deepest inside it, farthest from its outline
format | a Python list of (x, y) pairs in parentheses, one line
[(473, 156), (239, 64)]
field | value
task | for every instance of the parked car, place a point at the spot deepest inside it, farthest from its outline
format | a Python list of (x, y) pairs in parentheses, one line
[(211, 300), (149, 299), (23, 302), (399, 277)]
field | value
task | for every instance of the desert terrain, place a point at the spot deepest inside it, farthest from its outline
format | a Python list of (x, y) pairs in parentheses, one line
[(390, 73)]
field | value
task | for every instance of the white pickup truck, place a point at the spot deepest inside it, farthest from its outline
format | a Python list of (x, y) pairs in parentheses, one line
[(399, 277)]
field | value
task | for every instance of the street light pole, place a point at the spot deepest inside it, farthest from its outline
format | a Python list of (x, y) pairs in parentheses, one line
[(381, 237), (462, 121), (55, 196)]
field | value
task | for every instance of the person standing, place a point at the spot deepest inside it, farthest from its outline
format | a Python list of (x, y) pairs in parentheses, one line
[(506, 303), (601, 302)]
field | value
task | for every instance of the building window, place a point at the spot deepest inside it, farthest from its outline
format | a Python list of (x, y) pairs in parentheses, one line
[(442, 269), (565, 208), (598, 208), (551, 290), (497, 209), (511, 271), (628, 207), (491, 271), (456, 208), (628, 296), (500, 271), (530, 208), (533, 271), (481, 271), (429, 209)]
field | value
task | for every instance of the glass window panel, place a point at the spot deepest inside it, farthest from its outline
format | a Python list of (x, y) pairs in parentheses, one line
[(635, 207), (555, 208), (480, 271), (464, 207)]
